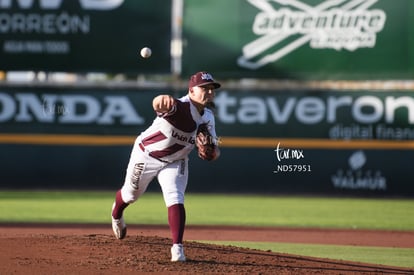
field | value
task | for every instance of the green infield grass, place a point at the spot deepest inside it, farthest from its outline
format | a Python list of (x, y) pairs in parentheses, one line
[(249, 210), (223, 209), (402, 257)]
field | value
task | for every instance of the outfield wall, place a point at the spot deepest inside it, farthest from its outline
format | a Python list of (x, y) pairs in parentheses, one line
[(298, 141)]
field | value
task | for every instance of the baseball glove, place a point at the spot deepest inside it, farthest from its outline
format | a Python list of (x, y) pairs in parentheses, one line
[(205, 143)]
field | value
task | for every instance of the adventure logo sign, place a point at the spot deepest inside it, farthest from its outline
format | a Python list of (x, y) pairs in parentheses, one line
[(332, 24)]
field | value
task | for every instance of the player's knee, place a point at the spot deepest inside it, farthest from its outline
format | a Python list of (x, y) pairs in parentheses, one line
[(129, 194), (177, 198)]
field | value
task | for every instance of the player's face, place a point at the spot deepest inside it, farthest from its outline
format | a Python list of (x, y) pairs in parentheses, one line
[(202, 95)]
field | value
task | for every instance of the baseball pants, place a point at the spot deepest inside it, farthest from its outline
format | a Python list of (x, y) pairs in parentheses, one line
[(142, 169)]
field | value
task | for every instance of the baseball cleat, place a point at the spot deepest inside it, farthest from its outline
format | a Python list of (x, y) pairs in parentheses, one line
[(177, 253), (119, 228)]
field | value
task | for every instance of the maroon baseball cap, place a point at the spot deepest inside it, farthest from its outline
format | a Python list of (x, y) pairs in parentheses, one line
[(201, 79)]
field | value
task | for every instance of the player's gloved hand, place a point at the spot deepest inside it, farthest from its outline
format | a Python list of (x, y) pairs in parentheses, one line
[(207, 149)]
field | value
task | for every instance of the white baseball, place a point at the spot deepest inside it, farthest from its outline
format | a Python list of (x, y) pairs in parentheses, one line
[(146, 52)]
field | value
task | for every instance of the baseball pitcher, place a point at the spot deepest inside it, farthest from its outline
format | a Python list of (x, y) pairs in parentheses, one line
[(162, 151)]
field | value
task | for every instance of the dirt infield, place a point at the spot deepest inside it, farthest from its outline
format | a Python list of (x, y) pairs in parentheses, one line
[(91, 249)]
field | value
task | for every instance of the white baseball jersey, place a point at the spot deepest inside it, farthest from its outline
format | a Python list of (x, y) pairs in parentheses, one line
[(172, 135)]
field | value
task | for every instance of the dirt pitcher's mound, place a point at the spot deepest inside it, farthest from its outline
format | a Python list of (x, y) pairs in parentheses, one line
[(102, 254)]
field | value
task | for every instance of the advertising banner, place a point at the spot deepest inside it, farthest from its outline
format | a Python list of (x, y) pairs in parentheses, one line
[(301, 142), (318, 142), (85, 35), (330, 115), (336, 115), (293, 169), (306, 39), (75, 110)]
